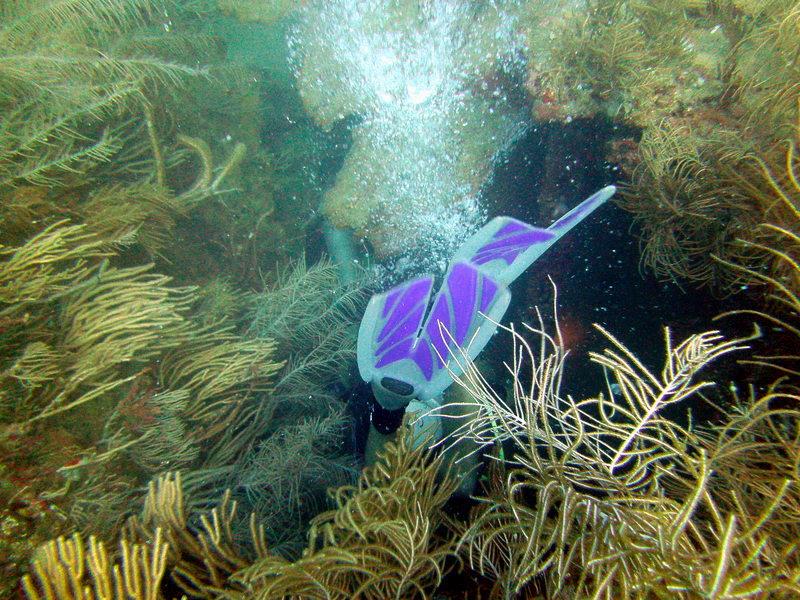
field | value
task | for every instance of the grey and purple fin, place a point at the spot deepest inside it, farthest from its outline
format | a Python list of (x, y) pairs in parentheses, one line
[(405, 341)]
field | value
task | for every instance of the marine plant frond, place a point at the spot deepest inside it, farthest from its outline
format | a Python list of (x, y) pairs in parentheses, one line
[(70, 569), (778, 191), (784, 291), (574, 541), (156, 421), (612, 442), (123, 314), (691, 205), (620, 58), (305, 301), (111, 317), (221, 371), (644, 395), (53, 262), (44, 70), (380, 541), (28, 20), (50, 169), (786, 190), (755, 454), (536, 381), (312, 370), (69, 91), (608, 497), (286, 476), (208, 179), (183, 46), (38, 364), (219, 301), (770, 67), (24, 209), (96, 499), (201, 560), (143, 213), (59, 148)]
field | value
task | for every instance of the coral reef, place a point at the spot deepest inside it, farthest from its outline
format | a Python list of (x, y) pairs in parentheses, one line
[(628, 60), (146, 335), (712, 88), (114, 365), (69, 70), (690, 206), (381, 540), (67, 567), (609, 497), (284, 479)]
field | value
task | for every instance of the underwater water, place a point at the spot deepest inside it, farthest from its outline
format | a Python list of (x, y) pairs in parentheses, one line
[(389, 299)]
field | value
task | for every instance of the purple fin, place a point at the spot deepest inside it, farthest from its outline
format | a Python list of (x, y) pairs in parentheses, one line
[(397, 341), (458, 321), (508, 247), (505, 247), (404, 337), (401, 302), (573, 217), (390, 327)]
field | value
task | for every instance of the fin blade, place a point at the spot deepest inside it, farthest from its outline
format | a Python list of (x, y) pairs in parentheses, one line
[(390, 327), (583, 210), (505, 247), (458, 323)]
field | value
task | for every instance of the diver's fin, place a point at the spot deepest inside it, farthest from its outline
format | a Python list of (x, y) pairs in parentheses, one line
[(388, 333), (406, 354), (392, 348), (580, 212), (458, 325), (505, 247)]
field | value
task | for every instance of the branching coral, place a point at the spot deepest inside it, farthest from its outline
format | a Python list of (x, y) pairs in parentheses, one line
[(49, 264), (715, 208), (79, 336), (200, 562), (27, 151), (310, 315), (607, 497), (152, 426), (66, 75), (778, 191), (144, 213), (297, 432), (304, 301), (68, 570), (690, 205), (380, 541), (106, 376), (114, 317), (219, 370)]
